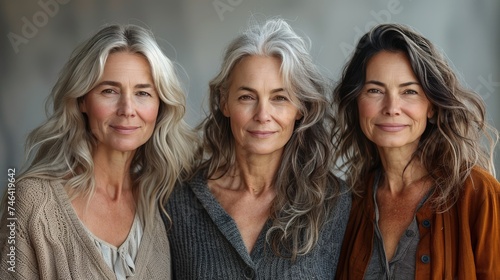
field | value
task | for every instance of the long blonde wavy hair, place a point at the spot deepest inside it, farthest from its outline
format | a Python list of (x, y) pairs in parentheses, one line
[(61, 148)]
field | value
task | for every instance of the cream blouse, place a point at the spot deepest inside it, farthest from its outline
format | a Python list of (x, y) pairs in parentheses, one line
[(122, 259)]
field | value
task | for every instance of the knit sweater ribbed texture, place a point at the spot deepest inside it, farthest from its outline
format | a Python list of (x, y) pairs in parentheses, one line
[(51, 243), (206, 244)]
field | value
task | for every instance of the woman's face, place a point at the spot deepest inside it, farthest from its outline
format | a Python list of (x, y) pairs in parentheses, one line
[(393, 108), (123, 106), (259, 107)]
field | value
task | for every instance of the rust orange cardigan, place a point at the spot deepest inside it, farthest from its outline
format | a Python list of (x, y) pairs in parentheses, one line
[(462, 243)]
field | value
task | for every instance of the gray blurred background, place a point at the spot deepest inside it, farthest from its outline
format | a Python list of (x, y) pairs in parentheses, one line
[(37, 38)]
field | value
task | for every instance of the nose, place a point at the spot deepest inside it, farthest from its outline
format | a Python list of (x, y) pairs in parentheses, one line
[(126, 105), (262, 113), (392, 106)]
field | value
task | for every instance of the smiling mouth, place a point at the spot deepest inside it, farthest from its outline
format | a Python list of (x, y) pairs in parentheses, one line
[(124, 129), (261, 134), (391, 127)]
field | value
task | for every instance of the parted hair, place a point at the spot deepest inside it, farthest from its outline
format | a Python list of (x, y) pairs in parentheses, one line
[(61, 148), (451, 144), (304, 184)]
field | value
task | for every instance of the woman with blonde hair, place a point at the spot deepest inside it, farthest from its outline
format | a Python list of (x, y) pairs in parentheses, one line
[(102, 166)]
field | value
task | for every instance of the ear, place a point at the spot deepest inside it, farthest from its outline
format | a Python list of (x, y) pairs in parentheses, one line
[(223, 105), (82, 105), (430, 113), (225, 110), (298, 116)]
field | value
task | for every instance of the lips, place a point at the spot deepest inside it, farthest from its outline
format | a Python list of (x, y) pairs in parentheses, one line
[(261, 133), (123, 129), (391, 127)]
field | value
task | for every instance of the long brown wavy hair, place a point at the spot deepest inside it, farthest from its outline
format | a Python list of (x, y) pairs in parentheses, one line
[(451, 143)]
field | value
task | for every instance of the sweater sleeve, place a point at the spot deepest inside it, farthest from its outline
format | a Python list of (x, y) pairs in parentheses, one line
[(18, 259), (485, 226)]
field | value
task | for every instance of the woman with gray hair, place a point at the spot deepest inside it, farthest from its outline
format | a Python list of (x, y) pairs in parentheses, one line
[(427, 203), (102, 166), (263, 202)]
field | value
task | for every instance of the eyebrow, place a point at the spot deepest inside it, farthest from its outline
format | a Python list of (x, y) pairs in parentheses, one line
[(255, 91), (378, 83), (116, 84)]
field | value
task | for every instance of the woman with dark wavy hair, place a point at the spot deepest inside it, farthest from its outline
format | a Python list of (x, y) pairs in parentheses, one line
[(427, 204), (102, 166), (263, 202)]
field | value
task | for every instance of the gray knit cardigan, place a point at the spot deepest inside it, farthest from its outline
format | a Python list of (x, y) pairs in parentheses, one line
[(206, 244)]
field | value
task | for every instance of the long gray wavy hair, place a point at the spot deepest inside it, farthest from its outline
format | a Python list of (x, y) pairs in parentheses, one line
[(305, 187), (451, 143), (61, 148)]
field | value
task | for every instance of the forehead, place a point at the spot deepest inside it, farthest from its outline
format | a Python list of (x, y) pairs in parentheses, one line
[(385, 62), (257, 67), (127, 61)]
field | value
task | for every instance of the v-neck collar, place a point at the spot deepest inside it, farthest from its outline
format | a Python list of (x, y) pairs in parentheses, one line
[(225, 223), (144, 249)]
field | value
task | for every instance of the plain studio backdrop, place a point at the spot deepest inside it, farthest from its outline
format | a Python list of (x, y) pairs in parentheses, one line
[(37, 37)]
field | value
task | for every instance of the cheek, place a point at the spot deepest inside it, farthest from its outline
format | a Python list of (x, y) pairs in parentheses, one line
[(366, 109), (149, 112), (239, 116), (237, 123), (364, 115), (151, 116), (288, 122), (98, 113)]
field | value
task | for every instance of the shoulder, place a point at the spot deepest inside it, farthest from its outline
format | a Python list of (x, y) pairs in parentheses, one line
[(343, 203), (482, 183), (29, 199), (481, 191), (345, 195), (185, 194), (195, 184), (37, 193), (32, 191)]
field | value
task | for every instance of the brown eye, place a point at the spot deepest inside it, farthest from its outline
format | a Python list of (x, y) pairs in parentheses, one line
[(280, 98), (373, 90), (410, 91), (245, 97), (143, 93), (108, 91)]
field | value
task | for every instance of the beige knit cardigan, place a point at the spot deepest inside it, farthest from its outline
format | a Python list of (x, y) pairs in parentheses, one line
[(51, 243)]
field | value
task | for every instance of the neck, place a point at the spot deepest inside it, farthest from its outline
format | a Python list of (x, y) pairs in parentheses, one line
[(400, 171), (255, 174), (112, 172)]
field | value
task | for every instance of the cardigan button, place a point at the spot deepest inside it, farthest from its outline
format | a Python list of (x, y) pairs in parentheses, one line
[(426, 223), (425, 259), (249, 273)]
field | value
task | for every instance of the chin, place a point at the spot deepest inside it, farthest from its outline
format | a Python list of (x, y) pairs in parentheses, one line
[(128, 147)]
